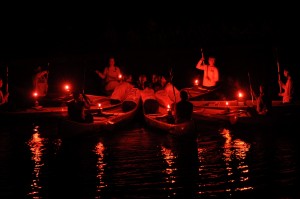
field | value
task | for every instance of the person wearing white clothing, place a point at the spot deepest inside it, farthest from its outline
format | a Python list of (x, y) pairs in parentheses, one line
[(288, 87), (211, 72)]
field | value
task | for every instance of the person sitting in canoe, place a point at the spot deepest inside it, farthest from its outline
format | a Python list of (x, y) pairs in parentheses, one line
[(184, 108), (112, 76), (40, 81), (150, 103), (263, 100), (77, 107), (120, 92), (169, 94)]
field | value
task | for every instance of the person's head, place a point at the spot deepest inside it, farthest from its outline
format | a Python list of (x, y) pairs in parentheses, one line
[(165, 78), (38, 69), (184, 95), (111, 61), (211, 60), (286, 72)]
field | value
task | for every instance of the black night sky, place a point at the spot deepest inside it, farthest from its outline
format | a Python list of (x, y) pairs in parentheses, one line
[(77, 42)]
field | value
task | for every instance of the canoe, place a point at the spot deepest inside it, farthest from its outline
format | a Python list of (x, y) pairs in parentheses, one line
[(110, 118), (244, 113), (160, 119), (52, 109), (198, 91)]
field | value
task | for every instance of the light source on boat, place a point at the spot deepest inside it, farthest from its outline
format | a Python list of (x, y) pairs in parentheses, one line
[(241, 100), (169, 110), (226, 103), (240, 95), (120, 77), (99, 108), (67, 87), (35, 95), (196, 82)]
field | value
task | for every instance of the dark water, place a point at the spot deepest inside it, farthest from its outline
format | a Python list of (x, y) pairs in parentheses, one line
[(142, 163)]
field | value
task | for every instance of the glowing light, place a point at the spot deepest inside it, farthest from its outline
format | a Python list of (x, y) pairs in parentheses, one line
[(35, 94), (99, 108), (226, 103), (169, 109), (240, 94), (196, 82), (67, 87), (120, 76)]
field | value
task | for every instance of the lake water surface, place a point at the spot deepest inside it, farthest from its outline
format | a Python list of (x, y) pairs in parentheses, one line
[(137, 162)]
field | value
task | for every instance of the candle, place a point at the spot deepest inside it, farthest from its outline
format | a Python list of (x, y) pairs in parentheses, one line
[(99, 108), (196, 83), (169, 110)]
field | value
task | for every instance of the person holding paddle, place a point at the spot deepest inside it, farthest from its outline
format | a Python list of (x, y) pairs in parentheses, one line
[(211, 72), (288, 87)]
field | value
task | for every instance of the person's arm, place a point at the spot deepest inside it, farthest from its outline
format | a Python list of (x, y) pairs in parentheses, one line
[(3, 98), (102, 75), (200, 65), (41, 74)]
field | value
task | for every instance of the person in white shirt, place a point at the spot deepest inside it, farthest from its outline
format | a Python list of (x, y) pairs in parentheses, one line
[(211, 72), (288, 87), (111, 75)]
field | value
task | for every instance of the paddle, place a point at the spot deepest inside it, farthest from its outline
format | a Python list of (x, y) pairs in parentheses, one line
[(171, 80), (251, 90), (278, 70), (6, 88)]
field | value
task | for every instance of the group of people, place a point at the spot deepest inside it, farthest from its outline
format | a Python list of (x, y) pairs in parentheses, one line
[(113, 78)]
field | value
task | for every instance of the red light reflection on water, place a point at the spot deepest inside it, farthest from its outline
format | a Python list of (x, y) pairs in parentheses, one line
[(235, 150), (99, 150), (169, 158), (36, 144)]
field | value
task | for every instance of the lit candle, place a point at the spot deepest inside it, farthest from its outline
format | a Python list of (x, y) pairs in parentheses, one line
[(196, 83), (35, 95), (169, 110), (99, 108), (67, 88)]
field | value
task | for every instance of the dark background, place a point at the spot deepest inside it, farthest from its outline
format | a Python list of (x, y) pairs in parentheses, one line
[(76, 42)]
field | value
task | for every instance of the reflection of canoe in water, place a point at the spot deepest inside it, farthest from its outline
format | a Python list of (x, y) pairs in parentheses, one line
[(111, 117), (244, 113)]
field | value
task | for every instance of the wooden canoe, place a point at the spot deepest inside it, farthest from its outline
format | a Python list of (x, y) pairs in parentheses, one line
[(160, 121), (244, 113), (112, 117), (55, 110), (197, 91)]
